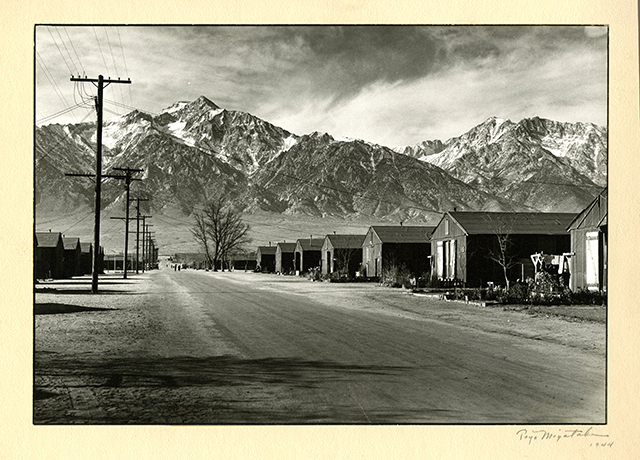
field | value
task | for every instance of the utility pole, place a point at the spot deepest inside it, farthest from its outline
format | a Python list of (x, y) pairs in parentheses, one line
[(148, 246), (127, 178), (144, 244), (138, 217), (96, 231)]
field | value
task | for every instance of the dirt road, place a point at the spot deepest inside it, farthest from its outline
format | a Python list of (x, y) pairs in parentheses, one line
[(195, 347)]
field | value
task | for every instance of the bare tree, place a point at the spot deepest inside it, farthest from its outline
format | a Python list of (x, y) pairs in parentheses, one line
[(343, 257), (503, 229), (220, 231), (201, 235)]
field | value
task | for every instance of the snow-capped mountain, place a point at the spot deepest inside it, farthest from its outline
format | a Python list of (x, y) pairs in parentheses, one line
[(193, 150), (60, 150), (323, 176), (543, 164)]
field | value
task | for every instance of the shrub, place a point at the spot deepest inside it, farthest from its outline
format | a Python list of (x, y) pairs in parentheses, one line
[(547, 289), (396, 276), (517, 293), (586, 297), (424, 280), (314, 274)]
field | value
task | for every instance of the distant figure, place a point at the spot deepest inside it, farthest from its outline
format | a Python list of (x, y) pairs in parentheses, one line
[(175, 267), (179, 267)]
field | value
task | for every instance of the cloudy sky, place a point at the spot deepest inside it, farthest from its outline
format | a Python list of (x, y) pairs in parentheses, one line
[(393, 85)]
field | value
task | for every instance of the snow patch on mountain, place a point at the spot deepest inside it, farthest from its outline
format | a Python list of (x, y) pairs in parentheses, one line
[(176, 129), (289, 142), (116, 129), (496, 131), (175, 107)]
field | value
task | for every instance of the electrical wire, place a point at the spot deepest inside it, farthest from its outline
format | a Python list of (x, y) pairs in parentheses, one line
[(106, 68), (63, 138), (59, 50), (67, 50), (74, 50), (125, 63), (58, 114), (52, 81), (73, 225), (114, 63)]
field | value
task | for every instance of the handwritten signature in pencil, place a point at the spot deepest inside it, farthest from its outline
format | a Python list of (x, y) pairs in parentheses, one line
[(531, 436)]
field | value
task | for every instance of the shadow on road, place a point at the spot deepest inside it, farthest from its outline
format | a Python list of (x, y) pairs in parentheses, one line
[(85, 281), (217, 370), (55, 308), (209, 390), (87, 291)]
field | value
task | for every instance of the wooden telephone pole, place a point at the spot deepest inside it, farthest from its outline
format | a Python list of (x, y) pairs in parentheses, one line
[(137, 232), (101, 84), (127, 178)]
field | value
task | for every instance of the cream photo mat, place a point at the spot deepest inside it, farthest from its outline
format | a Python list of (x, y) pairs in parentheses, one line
[(21, 439)]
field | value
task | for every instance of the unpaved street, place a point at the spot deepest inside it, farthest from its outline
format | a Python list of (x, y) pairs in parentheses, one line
[(194, 347)]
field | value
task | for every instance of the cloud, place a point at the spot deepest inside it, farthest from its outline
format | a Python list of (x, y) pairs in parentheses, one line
[(568, 85), (388, 84)]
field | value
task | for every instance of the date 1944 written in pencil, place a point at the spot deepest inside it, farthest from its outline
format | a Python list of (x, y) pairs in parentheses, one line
[(595, 439)]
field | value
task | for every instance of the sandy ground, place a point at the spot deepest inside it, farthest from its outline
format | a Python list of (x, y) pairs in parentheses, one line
[(74, 326)]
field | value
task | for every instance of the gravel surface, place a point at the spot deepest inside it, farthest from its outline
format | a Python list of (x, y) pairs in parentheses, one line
[(191, 371)]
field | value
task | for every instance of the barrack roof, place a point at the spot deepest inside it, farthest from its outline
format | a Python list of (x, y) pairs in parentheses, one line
[(286, 247), (47, 239), (311, 244), (267, 249), (518, 223), (346, 241), (70, 243), (403, 233)]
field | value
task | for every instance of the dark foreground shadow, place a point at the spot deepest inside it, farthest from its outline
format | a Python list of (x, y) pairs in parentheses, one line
[(212, 390), (55, 308), (216, 370), (85, 281), (87, 291), (39, 394)]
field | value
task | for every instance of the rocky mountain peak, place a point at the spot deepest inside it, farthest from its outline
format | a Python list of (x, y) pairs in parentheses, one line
[(193, 149), (205, 102)]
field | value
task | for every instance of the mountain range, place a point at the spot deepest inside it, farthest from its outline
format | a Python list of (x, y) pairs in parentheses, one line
[(195, 150)]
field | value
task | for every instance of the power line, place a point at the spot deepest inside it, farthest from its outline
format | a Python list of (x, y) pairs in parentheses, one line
[(86, 99), (100, 49), (74, 50), (66, 135), (60, 113), (50, 221), (129, 107), (73, 225), (125, 63), (59, 50), (114, 63), (52, 81), (67, 50)]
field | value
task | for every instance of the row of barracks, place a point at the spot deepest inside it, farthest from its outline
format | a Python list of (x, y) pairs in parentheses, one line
[(461, 249), (57, 256)]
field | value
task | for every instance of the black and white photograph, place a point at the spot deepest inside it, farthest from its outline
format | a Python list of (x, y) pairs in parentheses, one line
[(320, 225)]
